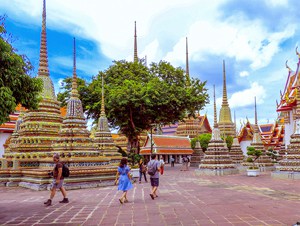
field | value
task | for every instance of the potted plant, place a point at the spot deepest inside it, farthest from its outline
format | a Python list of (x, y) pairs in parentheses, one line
[(253, 171)]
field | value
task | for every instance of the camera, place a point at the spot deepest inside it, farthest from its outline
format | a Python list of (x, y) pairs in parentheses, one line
[(50, 174)]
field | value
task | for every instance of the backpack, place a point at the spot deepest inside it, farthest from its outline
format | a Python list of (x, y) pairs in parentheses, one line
[(152, 169), (65, 171)]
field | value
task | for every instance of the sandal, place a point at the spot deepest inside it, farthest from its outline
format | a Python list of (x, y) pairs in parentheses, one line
[(152, 196), (126, 201), (121, 201)]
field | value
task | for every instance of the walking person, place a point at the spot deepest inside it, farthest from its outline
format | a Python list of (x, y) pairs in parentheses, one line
[(58, 181), (143, 170), (162, 165), (124, 177), (172, 161), (153, 171)]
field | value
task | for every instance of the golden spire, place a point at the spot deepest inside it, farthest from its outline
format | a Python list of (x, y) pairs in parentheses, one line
[(215, 110), (74, 92), (102, 100), (187, 70), (43, 64), (135, 58), (225, 101)]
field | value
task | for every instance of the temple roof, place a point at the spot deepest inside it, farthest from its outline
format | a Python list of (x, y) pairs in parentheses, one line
[(288, 97), (271, 134), (167, 145)]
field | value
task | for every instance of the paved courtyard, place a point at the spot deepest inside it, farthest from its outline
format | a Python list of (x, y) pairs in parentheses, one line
[(184, 199)]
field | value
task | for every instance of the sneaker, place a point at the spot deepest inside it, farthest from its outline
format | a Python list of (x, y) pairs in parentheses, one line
[(65, 200), (48, 202)]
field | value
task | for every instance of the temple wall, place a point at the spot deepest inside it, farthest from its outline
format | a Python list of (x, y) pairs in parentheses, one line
[(289, 130), (3, 138), (244, 145)]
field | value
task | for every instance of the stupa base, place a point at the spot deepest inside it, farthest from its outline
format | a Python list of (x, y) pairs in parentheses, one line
[(286, 175), (38, 179), (216, 172)]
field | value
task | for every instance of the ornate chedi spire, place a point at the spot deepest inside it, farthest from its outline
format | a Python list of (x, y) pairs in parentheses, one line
[(225, 123), (263, 161), (190, 126), (40, 127), (103, 138), (43, 71), (217, 160), (135, 52), (74, 135)]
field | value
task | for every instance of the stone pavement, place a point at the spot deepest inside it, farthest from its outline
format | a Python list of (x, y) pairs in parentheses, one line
[(184, 199)]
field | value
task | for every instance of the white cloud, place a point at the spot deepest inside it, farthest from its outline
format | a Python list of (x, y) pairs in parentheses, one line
[(236, 38), (246, 97), (244, 73)]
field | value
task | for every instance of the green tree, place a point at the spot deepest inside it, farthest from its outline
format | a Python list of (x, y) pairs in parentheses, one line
[(203, 139), (137, 96), (229, 141), (16, 85), (253, 155)]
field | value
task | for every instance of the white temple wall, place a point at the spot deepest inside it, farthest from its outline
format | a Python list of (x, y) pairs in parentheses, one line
[(289, 130), (244, 145), (3, 138)]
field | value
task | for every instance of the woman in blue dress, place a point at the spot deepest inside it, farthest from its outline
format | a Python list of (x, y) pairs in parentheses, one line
[(124, 180)]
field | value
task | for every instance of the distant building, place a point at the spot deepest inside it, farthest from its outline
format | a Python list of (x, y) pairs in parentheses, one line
[(167, 146)]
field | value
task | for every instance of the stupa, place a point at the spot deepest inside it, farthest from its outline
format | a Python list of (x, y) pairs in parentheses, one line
[(40, 127), (192, 126), (74, 136), (103, 138), (236, 152), (217, 160), (225, 124), (197, 155), (28, 165), (264, 161)]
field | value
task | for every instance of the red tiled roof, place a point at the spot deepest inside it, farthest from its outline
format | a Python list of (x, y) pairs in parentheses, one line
[(168, 151), (171, 141)]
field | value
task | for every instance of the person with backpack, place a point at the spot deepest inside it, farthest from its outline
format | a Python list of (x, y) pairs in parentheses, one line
[(154, 170), (58, 181), (143, 170)]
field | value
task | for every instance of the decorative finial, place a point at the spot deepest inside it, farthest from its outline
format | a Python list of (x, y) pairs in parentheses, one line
[(43, 64), (135, 58), (102, 101), (297, 52), (287, 65), (74, 92), (215, 110), (225, 101)]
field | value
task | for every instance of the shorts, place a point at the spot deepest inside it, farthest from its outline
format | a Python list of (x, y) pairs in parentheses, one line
[(154, 182), (59, 185)]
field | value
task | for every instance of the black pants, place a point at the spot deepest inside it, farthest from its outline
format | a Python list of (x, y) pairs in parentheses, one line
[(172, 164), (141, 174)]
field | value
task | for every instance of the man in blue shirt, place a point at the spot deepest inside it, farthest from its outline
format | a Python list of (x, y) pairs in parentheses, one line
[(153, 163)]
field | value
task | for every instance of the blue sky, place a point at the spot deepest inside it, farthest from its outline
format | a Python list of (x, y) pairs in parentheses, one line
[(255, 38)]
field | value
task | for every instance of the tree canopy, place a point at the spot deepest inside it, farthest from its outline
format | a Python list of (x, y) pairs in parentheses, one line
[(16, 85), (203, 139), (137, 96)]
